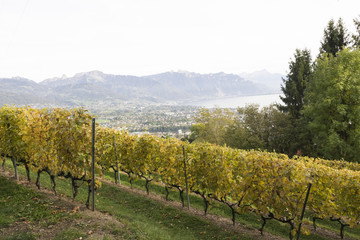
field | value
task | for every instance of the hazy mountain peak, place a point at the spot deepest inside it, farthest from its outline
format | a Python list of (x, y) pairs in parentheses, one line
[(188, 74), (94, 73), (182, 71), (17, 78), (92, 77), (181, 86)]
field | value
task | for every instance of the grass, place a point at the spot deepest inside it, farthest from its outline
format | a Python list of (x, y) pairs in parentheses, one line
[(144, 218), (21, 236), (70, 234), (250, 220), (156, 221), (19, 204), (335, 226), (27, 214), (148, 219)]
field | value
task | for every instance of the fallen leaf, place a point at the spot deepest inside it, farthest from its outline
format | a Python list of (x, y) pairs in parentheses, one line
[(76, 209)]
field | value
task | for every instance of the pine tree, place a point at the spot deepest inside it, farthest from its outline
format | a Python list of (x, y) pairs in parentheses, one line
[(356, 37), (295, 83), (335, 38)]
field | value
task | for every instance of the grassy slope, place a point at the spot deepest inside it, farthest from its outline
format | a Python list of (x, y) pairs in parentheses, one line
[(149, 219), (27, 214), (19, 204), (250, 220), (144, 218)]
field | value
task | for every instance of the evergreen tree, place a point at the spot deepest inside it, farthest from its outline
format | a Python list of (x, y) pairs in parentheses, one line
[(295, 83), (335, 38), (356, 37)]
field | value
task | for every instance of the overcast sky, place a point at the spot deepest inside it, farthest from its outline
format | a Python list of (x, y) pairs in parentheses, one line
[(40, 39)]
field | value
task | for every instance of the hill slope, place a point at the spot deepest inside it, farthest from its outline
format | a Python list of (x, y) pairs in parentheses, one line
[(168, 87)]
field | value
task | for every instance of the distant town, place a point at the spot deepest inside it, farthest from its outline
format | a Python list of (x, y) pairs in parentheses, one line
[(163, 121)]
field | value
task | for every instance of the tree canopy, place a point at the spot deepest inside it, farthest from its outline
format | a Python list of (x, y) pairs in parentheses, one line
[(332, 105), (335, 38), (356, 36), (321, 111), (295, 83), (211, 125), (248, 128)]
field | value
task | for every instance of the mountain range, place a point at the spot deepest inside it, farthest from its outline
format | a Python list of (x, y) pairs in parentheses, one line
[(169, 87)]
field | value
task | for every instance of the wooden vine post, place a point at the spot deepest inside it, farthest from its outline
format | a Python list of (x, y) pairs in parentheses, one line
[(93, 166), (186, 180), (117, 162), (303, 211)]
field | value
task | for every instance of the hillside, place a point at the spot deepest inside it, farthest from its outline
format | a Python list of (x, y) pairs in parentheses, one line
[(164, 88), (122, 213)]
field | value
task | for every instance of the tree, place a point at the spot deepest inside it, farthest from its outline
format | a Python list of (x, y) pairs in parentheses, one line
[(335, 38), (266, 128), (300, 70), (356, 37), (248, 129), (251, 128), (211, 125), (279, 127), (295, 83), (332, 106)]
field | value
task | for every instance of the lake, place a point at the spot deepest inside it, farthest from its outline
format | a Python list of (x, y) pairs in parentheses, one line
[(234, 102)]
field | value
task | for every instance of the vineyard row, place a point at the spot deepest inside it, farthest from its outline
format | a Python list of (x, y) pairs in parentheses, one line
[(273, 186)]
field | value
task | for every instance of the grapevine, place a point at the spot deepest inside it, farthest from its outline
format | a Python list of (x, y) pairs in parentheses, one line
[(273, 186)]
